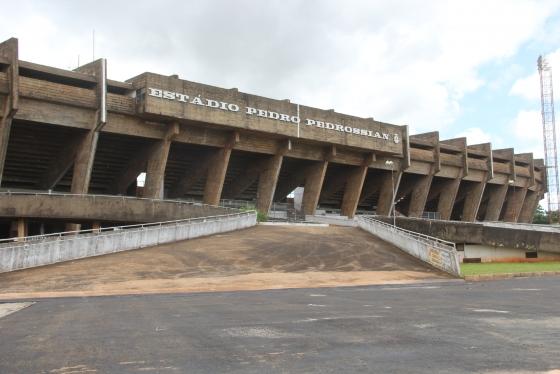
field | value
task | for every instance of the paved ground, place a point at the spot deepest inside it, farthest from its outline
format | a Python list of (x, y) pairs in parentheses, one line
[(508, 326), (262, 257)]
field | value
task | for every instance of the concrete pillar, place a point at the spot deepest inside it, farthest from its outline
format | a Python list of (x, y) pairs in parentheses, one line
[(83, 163), (268, 179), (353, 190), (315, 175), (473, 198), (529, 206), (9, 53), (390, 182), (420, 195), (514, 203), (155, 170), (216, 175), (447, 198), (21, 228), (496, 197)]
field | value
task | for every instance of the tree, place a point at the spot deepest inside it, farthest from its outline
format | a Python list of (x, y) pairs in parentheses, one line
[(540, 216)]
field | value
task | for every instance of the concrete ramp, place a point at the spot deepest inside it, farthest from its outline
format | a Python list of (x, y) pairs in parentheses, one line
[(261, 257)]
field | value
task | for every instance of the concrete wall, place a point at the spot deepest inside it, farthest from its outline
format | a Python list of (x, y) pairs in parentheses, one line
[(526, 237), (489, 253), (101, 208), (430, 250), (52, 249)]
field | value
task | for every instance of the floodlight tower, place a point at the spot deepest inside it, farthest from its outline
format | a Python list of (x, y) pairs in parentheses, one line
[(549, 136)]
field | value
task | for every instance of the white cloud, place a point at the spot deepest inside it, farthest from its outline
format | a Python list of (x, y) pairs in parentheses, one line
[(529, 88), (406, 62), (475, 135), (527, 131)]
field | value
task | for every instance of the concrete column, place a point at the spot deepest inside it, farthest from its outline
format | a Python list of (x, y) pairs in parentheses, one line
[(447, 198), (314, 178), (353, 190), (21, 228), (155, 170), (216, 176), (268, 178), (496, 198), (9, 53), (420, 195), (514, 204), (83, 164), (529, 206), (472, 201), (390, 182)]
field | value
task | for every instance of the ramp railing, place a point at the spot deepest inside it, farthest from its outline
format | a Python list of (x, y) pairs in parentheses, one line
[(38, 250), (436, 252)]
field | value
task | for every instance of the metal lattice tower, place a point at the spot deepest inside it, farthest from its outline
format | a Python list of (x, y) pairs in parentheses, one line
[(549, 135)]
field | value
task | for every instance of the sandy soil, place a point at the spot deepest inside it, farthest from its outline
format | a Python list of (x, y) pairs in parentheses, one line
[(262, 257)]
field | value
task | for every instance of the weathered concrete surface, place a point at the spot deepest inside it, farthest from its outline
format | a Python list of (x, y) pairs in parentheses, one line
[(530, 237), (494, 327), (40, 251), (101, 208), (262, 257)]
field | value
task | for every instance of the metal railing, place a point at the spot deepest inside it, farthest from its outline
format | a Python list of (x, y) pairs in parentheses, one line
[(41, 250), (437, 252)]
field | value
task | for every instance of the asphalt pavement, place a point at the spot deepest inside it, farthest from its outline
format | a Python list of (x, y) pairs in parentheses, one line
[(510, 326)]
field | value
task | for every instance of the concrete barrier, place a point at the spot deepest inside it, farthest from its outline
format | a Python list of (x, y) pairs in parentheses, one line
[(49, 249), (436, 252)]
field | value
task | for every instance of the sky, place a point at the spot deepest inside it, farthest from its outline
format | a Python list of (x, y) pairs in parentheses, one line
[(463, 68)]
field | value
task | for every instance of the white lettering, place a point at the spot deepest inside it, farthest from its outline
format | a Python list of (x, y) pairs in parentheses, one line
[(197, 101), (355, 131), (363, 132), (385, 136), (233, 107), (155, 92), (284, 117), (181, 97), (347, 129), (261, 113), (329, 126), (308, 122), (251, 111), (294, 119), (339, 127), (273, 115), (169, 95), (321, 124), (212, 103)]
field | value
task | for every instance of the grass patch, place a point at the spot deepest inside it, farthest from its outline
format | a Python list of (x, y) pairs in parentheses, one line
[(514, 267)]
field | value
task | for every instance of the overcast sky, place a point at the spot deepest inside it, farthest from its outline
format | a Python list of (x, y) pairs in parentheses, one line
[(463, 68)]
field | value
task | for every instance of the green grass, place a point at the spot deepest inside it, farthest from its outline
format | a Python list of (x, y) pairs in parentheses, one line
[(514, 267)]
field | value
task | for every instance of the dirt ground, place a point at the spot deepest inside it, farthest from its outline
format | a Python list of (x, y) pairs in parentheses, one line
[(261, 257)]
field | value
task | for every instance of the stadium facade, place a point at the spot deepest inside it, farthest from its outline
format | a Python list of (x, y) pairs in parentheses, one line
[(81, 133)]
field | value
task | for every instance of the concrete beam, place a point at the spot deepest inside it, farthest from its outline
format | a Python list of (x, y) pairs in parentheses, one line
[(529, 206), (505, 155), (9, 52), (461, 145), (353, 190), (473, 197), (268, 179), (496, 197), (390, 183), (155, 168), (420, 195), (85, 154), (217, 171), (446, 201), (61, 164), (514, 203), (315, 175), (486, 150), (431, 140)]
